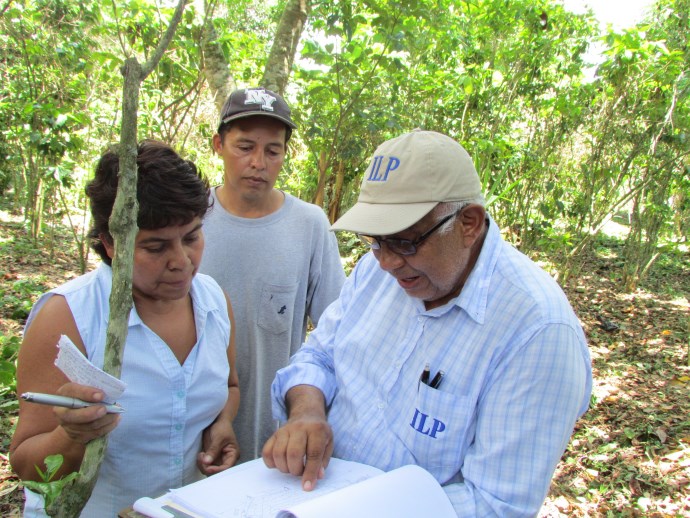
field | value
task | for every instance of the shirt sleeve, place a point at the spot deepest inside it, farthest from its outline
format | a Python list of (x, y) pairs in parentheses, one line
[(525, 419)]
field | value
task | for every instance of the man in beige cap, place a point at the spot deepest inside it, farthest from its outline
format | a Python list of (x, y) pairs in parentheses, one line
[(447, 348)]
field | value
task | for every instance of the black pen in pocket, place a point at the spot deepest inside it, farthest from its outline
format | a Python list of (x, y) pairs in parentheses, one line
[(424, 378), (436, 382)]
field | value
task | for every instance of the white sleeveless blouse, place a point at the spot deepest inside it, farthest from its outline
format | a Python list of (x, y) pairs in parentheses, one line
[(167, 405)]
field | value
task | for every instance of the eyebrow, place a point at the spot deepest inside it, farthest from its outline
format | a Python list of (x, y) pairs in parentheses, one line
[(245, 140), (154, 239)]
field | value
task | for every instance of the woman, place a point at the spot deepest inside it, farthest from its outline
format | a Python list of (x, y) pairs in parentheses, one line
[(182, 389)]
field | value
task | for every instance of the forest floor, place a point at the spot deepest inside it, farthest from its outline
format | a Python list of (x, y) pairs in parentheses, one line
[(630, 453)]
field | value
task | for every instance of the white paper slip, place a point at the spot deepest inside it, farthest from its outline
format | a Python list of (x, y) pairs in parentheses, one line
[(79, 369)]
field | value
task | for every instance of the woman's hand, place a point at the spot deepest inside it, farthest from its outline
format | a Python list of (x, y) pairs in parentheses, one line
[(220, 448), (82, 425)]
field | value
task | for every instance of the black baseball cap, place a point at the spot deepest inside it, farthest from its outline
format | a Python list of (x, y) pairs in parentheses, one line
[(248, 102)]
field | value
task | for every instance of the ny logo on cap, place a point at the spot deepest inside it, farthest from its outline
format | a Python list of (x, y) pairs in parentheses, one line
[(375, 175), (260, 97)]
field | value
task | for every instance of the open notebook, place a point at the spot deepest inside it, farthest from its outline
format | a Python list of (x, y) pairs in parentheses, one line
[(348, 489)]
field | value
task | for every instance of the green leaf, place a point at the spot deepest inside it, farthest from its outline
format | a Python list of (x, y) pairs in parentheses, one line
[(53, 463), (50, 489)]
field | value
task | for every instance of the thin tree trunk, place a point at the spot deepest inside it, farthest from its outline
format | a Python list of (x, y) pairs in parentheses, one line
[(216, 68), (37, 207), (334, 204), (284, 47), (321, 186), (123, 226)]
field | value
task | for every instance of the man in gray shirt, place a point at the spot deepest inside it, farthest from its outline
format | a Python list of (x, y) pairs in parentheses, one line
[(271, 252)]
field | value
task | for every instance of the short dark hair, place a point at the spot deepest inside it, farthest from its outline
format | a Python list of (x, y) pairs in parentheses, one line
[(225, 128), (170, 191)]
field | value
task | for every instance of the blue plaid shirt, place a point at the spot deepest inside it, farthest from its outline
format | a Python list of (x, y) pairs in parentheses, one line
[(517, 377)]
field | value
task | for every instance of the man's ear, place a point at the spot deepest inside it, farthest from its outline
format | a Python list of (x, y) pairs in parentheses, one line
[(472, 218), (217, 143)]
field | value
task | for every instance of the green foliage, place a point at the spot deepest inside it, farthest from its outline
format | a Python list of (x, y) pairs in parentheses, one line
[(9, 348), (50, 76), (19, 307), (18, 300), (351, 250), (556, 153), (49, 488), (559, 145)]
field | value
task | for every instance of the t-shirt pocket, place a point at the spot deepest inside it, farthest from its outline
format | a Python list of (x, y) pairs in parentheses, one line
[(433, 427), (277, 307)]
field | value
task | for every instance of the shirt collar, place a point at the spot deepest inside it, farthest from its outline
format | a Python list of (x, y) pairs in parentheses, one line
[(475, 294)]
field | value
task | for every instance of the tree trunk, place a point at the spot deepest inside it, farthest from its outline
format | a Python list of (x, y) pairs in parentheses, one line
[(334, 204), (37, 207), (284, 48), (123, 226), (280, 59), (318, 197), (216, 68)]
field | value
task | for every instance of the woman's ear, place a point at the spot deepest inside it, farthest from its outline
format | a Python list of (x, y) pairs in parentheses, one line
[(108, 244)]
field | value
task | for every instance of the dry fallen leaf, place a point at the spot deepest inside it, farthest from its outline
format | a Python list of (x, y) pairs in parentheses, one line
[(661, 434)]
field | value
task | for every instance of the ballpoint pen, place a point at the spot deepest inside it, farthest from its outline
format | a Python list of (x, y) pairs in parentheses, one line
[(437, 379), (424, 378), (67, 402)]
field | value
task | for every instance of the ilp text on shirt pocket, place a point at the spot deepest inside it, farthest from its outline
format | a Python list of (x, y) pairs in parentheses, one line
[(433, 427)]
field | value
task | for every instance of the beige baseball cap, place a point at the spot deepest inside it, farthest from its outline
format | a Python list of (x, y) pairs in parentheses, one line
[(408, 176)]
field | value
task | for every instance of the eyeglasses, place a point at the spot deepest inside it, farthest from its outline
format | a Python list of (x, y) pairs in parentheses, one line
[(404, 246)]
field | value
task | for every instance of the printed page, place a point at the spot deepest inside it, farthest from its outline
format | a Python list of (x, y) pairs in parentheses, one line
[(251, 490), (406, 491), (79, 369)]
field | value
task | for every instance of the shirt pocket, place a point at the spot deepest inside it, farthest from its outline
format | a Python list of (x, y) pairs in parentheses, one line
[(433, 427), (277, 307)]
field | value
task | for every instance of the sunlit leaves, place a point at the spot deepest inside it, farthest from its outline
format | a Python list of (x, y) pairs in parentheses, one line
[(518, 95)]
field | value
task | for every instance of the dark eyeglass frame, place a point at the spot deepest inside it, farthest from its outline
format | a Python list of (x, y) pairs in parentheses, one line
[(405, 246)]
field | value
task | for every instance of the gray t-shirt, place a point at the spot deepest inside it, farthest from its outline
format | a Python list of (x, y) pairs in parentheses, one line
[(278, 270)]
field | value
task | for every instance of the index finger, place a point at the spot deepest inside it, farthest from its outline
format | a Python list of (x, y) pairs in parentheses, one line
[(316, 460)]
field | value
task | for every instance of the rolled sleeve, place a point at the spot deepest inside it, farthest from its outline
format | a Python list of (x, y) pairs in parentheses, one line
[(300, 372)]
